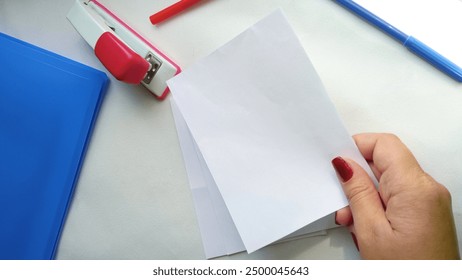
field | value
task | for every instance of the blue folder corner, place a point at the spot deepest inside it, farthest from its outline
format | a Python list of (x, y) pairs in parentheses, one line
[(48, 107)]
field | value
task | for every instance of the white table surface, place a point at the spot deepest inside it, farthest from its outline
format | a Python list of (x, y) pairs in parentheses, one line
[(132, 200)]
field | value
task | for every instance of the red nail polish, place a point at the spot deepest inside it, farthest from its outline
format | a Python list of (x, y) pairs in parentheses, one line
[(343, 168)]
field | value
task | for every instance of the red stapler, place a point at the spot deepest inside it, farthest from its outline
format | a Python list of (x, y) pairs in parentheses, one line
[(128, 56)]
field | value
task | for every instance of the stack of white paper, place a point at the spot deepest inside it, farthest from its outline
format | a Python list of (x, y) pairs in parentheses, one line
[(258, 133)]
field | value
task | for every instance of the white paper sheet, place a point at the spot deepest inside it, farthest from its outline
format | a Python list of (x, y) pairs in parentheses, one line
[(219, 234), (267, 131)]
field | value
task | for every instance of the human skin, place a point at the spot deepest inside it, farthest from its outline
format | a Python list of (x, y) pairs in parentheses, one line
[(409, 215)]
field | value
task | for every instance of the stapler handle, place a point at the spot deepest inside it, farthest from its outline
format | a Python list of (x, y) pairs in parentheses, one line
[(123, 63)]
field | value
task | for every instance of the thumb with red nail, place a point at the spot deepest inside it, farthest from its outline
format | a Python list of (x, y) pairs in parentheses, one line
[(409, 215)]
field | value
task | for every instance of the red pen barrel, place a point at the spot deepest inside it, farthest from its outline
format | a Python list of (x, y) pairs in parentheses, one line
[(171, 11)]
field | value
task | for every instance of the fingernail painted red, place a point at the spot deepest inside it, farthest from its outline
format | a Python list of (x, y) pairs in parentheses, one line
[(343, 168)]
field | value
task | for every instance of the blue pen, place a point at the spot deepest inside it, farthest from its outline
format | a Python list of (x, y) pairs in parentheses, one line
[(411, 43)]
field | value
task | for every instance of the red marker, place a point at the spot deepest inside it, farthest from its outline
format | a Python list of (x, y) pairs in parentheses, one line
[(171, 11)]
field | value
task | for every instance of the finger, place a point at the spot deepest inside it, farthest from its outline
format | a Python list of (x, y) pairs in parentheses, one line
[(384, 150), (344, 217), (391, 160), (365, 203)]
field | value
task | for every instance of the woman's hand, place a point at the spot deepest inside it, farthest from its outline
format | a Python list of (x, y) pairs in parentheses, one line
[(409, 216)]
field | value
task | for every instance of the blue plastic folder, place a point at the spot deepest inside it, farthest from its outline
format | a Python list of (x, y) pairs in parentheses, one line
[(48, 106)]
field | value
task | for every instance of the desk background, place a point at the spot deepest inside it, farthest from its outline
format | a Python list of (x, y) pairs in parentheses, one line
[(132, 200)]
